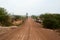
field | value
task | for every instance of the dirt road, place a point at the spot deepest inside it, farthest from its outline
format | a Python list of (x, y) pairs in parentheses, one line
[(30, 30)]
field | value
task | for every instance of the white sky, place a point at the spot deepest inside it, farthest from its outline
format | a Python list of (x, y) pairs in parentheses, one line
[(33, 7)]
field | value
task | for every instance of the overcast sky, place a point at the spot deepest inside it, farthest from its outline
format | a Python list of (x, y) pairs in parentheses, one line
[(33, 7)]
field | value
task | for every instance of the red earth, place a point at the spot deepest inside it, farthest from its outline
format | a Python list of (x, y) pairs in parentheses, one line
[(30, 30)]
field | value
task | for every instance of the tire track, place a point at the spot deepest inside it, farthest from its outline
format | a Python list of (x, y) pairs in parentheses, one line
[(30, 30)]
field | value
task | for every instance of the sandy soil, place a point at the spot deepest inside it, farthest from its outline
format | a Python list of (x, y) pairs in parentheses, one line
[(30, 30)]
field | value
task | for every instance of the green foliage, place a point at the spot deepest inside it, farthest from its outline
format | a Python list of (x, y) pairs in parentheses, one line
[(4, 17), (18, 17), (51, 21), (34, 17)]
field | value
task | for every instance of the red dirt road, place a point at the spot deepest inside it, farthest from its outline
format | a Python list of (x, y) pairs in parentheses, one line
[(30, 30)]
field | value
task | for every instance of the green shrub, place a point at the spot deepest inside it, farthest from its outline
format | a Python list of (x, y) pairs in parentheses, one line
[(4, 17), (51, 21)]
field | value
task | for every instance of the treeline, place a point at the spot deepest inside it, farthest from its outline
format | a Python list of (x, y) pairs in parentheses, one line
[(50, 20), (34, 16), (6, 19)]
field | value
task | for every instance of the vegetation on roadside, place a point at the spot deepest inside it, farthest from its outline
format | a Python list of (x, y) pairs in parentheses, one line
[(7, 20), (51, 21), (34, 17), (17, 19), (4, 17)]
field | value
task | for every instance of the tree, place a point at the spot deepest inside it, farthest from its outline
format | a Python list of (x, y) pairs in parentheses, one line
[(51, 21), (4, 17)]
